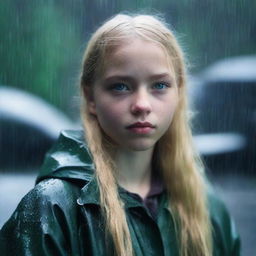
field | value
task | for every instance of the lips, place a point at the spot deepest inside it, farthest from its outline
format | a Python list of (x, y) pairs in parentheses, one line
[(141, 128), (141, 125)]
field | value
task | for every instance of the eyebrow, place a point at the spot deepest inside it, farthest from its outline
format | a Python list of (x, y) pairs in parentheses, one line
[(130, 78), (161, 75)]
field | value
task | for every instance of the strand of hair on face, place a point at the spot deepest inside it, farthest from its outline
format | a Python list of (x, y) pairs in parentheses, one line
[(111, 205)]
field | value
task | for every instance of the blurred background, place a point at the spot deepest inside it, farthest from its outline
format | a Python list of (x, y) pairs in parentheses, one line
[(41, 48)]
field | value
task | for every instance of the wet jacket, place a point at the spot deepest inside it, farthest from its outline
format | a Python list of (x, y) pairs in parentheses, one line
[(61, 214)]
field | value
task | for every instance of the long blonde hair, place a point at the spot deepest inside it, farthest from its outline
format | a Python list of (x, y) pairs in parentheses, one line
[(176, 158)]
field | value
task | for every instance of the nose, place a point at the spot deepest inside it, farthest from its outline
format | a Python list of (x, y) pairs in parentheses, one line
[(141, 103)]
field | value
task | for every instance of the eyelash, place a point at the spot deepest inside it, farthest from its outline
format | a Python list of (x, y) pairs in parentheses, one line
[(113, 87), (163, 83)]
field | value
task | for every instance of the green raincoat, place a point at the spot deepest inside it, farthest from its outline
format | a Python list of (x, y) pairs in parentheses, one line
[(61, 214)]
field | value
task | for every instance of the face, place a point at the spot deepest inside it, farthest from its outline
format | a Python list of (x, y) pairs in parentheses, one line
[(135, 98)]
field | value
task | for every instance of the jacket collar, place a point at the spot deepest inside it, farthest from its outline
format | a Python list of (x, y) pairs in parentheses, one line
[(90, 194), (68, 159)]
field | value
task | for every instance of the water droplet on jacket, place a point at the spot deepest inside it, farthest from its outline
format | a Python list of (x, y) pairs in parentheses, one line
[(79, 201)]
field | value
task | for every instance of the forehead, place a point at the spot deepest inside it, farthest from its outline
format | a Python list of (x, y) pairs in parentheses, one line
[(136, 53)]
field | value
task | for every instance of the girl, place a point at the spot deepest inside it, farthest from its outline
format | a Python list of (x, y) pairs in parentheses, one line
[(136, 186)]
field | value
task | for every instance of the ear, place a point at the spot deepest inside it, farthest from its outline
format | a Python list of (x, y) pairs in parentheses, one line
[(88, 94)]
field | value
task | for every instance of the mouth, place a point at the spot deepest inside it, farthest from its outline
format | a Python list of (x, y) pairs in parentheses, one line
[(141, 125), (141, 128)]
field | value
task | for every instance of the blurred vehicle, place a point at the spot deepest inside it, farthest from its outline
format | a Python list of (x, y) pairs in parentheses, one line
[(224, 99), (28, 128)]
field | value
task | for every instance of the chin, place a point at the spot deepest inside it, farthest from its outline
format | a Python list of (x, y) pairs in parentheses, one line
[(140, 146)]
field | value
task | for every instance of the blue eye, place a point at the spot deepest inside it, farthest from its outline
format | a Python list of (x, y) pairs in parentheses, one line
[(160, 86), (119, 87)]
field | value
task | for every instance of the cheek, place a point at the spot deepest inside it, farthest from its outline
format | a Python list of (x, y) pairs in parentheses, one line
[(167, 113), (168, 109), (109, 114)]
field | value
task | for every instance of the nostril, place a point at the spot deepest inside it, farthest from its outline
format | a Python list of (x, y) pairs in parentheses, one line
[(137, 109)]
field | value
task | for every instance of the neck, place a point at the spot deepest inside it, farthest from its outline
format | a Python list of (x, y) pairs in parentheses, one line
[(134, 170)]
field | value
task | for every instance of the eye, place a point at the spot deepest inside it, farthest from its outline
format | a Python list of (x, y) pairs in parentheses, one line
[(119, 87), (160, 85)]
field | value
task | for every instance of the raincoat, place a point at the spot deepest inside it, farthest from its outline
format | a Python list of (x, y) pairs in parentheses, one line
[(61, 215)]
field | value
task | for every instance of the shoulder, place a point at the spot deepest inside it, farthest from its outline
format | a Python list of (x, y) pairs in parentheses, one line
[(45, 200), (226, 238), (56, 191), (43, 220), (218, 211), (217, 207)]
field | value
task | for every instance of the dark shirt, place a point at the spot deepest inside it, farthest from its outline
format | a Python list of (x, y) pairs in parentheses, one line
[(151, 199)]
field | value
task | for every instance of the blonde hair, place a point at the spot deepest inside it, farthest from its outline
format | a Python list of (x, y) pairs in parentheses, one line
[(174, 153)]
